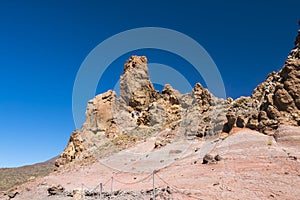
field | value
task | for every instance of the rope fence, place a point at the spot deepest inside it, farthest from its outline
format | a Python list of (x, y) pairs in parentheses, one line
[(105, 190)]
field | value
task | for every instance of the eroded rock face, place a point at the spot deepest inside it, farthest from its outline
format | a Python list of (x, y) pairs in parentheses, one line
[(99, 113), (283, 100), (275, 101), (141, 109), (202, 96), (74, 148), (136, 88)]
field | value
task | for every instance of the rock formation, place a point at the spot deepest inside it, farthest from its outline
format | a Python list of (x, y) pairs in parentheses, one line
[(73, 149), (275, 101), (167, 135), (120, 122), (113, 123)]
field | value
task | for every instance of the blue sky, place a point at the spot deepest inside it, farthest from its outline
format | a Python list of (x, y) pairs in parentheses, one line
[(43, 43)]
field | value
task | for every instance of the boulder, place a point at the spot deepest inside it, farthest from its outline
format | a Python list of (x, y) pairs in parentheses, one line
[(211, 159), (55, 190)]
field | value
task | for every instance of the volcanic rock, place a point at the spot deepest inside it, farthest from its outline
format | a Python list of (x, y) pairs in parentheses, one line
[(55, 190), (74, 148), (136, 88), (211, 159), (144, 130), (116, 123), (275, 101), (113, 124)]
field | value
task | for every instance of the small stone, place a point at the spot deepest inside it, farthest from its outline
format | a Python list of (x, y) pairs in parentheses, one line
[(218, 157)]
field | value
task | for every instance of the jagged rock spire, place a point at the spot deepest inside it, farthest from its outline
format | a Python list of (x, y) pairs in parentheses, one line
[(136, 88)]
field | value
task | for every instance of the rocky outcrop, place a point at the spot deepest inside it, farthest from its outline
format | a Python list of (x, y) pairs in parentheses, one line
[(136, 88), (275, 101), (100, 116), (203, 97), (120, 122), (74, 148), (171, 101), (116, 123)]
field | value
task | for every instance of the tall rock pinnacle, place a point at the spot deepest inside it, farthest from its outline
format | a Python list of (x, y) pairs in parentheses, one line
[(136, 88)]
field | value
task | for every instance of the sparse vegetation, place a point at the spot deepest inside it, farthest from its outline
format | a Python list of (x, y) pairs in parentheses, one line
[(11, 177)]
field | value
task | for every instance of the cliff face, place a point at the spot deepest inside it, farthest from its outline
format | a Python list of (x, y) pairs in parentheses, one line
[(113, 124), (275, 101)]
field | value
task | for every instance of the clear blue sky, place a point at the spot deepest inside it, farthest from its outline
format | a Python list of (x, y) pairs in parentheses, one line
[(43, 43)]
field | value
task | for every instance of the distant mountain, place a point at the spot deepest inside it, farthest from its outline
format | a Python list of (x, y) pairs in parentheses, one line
[(12, 177)]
